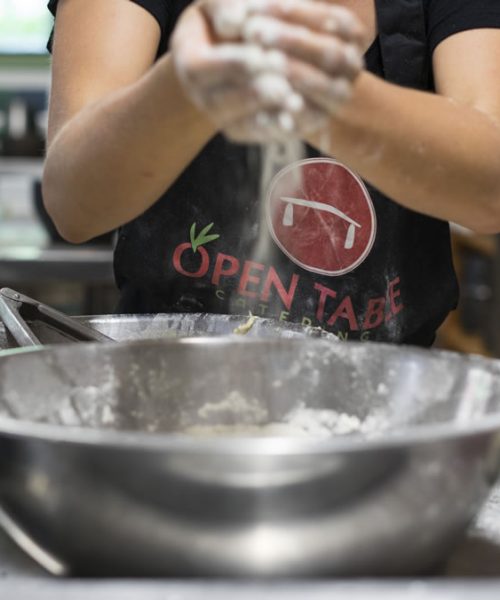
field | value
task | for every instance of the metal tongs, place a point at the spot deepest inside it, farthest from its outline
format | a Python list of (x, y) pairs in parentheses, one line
[(17, 310)]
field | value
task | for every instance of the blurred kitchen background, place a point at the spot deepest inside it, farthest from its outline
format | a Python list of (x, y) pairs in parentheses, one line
[(33, 258), (79, 280)]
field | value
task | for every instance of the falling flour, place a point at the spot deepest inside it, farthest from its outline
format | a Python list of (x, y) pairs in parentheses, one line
[(284, 125)]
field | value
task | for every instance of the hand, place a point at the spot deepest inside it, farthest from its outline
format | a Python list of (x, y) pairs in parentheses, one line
[(324, 44), (250, 89), (327, 42), (231, 82)]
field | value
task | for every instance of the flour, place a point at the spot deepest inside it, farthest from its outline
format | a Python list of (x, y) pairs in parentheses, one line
[(275, 157), (228, 20), (235, 408), (262, 30), (285, 117), (260, 33), (228, 23), (321, 422), (252, 57), (299, 422), (274, 87)]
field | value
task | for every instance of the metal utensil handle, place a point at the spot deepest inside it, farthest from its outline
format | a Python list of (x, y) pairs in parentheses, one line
[(12, 320), (15, 308)]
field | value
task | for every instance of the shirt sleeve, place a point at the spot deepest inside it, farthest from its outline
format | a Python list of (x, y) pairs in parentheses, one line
[(447, 17), (157, 8)]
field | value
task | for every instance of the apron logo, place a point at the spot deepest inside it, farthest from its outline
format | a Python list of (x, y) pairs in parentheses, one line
[(197, 241), (321, 216), (190, 258)]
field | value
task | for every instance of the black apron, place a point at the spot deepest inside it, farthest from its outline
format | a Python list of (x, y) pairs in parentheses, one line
[(376, 272)]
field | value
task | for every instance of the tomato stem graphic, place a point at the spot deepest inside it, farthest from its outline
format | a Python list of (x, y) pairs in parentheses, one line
[(202, 238)]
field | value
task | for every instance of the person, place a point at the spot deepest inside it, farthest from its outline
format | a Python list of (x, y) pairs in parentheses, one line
[(161, 113)]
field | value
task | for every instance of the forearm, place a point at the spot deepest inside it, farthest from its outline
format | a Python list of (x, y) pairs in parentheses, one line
[(115, 158), (429, 154)]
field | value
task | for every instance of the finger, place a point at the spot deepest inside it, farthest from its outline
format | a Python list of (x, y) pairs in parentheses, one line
[(325, 52), (231, 62), (192, 26), (276, 89), (226, 18), (266, 93), (319, 16), (326, 92)]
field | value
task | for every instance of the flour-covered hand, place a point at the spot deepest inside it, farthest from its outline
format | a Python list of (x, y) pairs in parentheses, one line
[(229, 80), (268, 69), (324, 43)]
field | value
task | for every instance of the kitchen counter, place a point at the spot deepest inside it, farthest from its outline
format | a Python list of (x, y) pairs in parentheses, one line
[(25, 264), (202, 590), (477, 559)]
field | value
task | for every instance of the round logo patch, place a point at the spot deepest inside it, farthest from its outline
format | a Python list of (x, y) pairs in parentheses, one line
[(321, 216)]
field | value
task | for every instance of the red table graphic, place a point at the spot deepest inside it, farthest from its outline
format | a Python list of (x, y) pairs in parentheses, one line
[(321, 216), (288, 216)]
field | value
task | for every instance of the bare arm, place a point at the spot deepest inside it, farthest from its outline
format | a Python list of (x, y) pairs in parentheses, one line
[(436, 154), (120, 128)]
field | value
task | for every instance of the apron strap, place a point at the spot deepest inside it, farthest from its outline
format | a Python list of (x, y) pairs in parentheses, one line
[(403, 42)]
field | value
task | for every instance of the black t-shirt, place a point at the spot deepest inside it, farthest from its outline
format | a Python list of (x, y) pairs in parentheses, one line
[(443, 17), (319, 246)]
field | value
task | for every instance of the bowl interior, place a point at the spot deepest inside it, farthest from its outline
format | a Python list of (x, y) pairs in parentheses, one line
[(174, 386)]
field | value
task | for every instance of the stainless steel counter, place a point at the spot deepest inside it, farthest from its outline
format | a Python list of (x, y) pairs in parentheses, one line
[(201, 590), (477, 559), (30, 265)]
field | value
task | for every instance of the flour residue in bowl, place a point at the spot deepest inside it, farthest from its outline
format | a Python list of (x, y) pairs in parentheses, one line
[(234, 408), (248, 418)]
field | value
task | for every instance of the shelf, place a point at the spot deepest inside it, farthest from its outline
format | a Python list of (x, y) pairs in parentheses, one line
[(32, 167), (16, 78), (32, 265), (452, 337)]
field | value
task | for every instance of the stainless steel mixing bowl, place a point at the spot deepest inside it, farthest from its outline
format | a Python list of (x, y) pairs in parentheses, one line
[(96, 480)]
